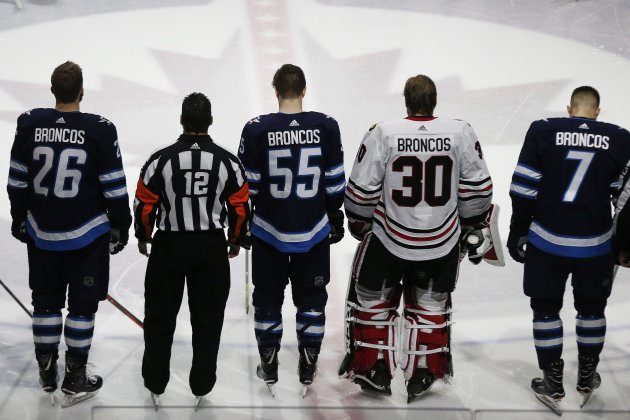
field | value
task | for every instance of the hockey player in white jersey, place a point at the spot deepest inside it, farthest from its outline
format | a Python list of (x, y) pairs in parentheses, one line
[(419, 187)]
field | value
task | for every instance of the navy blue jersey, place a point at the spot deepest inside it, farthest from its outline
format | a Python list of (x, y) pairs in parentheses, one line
[(294, 166), (561, 188), (66, 178)]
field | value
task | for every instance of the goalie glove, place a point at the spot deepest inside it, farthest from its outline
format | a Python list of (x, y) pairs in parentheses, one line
[(117, 240), (482, 241)]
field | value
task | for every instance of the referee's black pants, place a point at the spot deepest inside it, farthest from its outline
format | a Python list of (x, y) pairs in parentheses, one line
[(201, 259)]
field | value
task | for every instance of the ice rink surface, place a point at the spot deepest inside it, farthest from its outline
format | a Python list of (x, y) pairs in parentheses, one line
[(497, 64)]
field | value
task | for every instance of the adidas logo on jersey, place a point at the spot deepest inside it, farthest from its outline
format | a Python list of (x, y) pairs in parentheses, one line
[(294, 124), (584, 126), (61, 121), (422, 128), (195, 146)]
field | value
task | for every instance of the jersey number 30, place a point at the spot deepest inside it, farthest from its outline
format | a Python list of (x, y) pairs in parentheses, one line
[(434, 175)]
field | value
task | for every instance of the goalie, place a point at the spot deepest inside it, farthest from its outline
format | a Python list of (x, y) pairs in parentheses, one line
[(419, 188)]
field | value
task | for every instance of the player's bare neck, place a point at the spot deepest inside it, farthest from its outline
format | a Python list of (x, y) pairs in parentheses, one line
[(290, 106), (69, 107), (193, 133)]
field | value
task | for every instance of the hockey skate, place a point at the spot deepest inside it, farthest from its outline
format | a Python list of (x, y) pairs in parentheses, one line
[(78, 384), (156, 401), (588, 378), (307, 368), (267, 370), (377, 380), (549, 389), (48, 376), (420, 383)]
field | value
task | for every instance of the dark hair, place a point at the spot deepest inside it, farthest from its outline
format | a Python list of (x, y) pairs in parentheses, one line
[(196, 113), (66, 82), (420, 95), (289, 81), (585, 96)]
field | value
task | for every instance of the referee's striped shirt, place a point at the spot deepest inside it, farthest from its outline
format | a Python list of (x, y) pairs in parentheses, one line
[(192, 185)]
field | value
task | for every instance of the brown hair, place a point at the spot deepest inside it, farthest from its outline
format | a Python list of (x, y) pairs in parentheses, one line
[(585, 96), (289, 81), (420, 95), (66, 82)]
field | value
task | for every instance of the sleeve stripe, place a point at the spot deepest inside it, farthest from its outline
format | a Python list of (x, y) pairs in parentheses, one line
[(16, 183), (20, 167), (111, 176), (252, 175), (361, 197), (523, 191), (336, 171), (366, 191), (527, 172), (474, 183), (147, 200), (334, 189), (115, 192)]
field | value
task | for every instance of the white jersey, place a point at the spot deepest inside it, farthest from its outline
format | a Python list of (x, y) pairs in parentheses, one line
[(414, 179)]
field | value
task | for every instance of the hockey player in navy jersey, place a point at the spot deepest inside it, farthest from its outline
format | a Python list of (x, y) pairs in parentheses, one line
[(562, 225), (69, 204), (294, 165)]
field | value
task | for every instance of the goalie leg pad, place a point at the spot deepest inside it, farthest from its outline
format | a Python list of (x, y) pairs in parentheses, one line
[(374, 324), (426, 333)]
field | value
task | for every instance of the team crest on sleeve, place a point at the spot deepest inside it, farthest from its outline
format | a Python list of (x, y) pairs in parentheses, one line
[(254, 120), (372, 127), (104, 121)]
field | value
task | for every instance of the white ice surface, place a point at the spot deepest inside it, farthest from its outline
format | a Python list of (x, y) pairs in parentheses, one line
[(138, 65)]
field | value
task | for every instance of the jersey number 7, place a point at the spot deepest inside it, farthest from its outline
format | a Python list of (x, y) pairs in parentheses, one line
[(584, 161)]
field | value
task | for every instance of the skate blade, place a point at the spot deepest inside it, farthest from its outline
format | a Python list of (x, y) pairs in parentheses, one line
[(198, 401), (53, 401), (343, 368), (304, 390), (70, 400), (271, 389), (584, 397), (553, 404), (156, 401)]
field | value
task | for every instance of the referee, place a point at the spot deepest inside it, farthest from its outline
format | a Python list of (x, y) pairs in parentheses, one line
[(187, 190)]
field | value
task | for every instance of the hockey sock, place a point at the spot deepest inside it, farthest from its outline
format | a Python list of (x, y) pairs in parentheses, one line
[(78, 332), (547, 339), (268, 327), (47, 328), (591, 332), (309, 325)]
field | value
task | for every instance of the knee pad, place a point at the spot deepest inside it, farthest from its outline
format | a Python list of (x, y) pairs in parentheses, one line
[(426, 333), (545, 307), (374, 335)]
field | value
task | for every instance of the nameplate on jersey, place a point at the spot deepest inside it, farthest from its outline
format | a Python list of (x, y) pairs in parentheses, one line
[(596, 141), (424, 144), (291, 137), (59, 135)]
